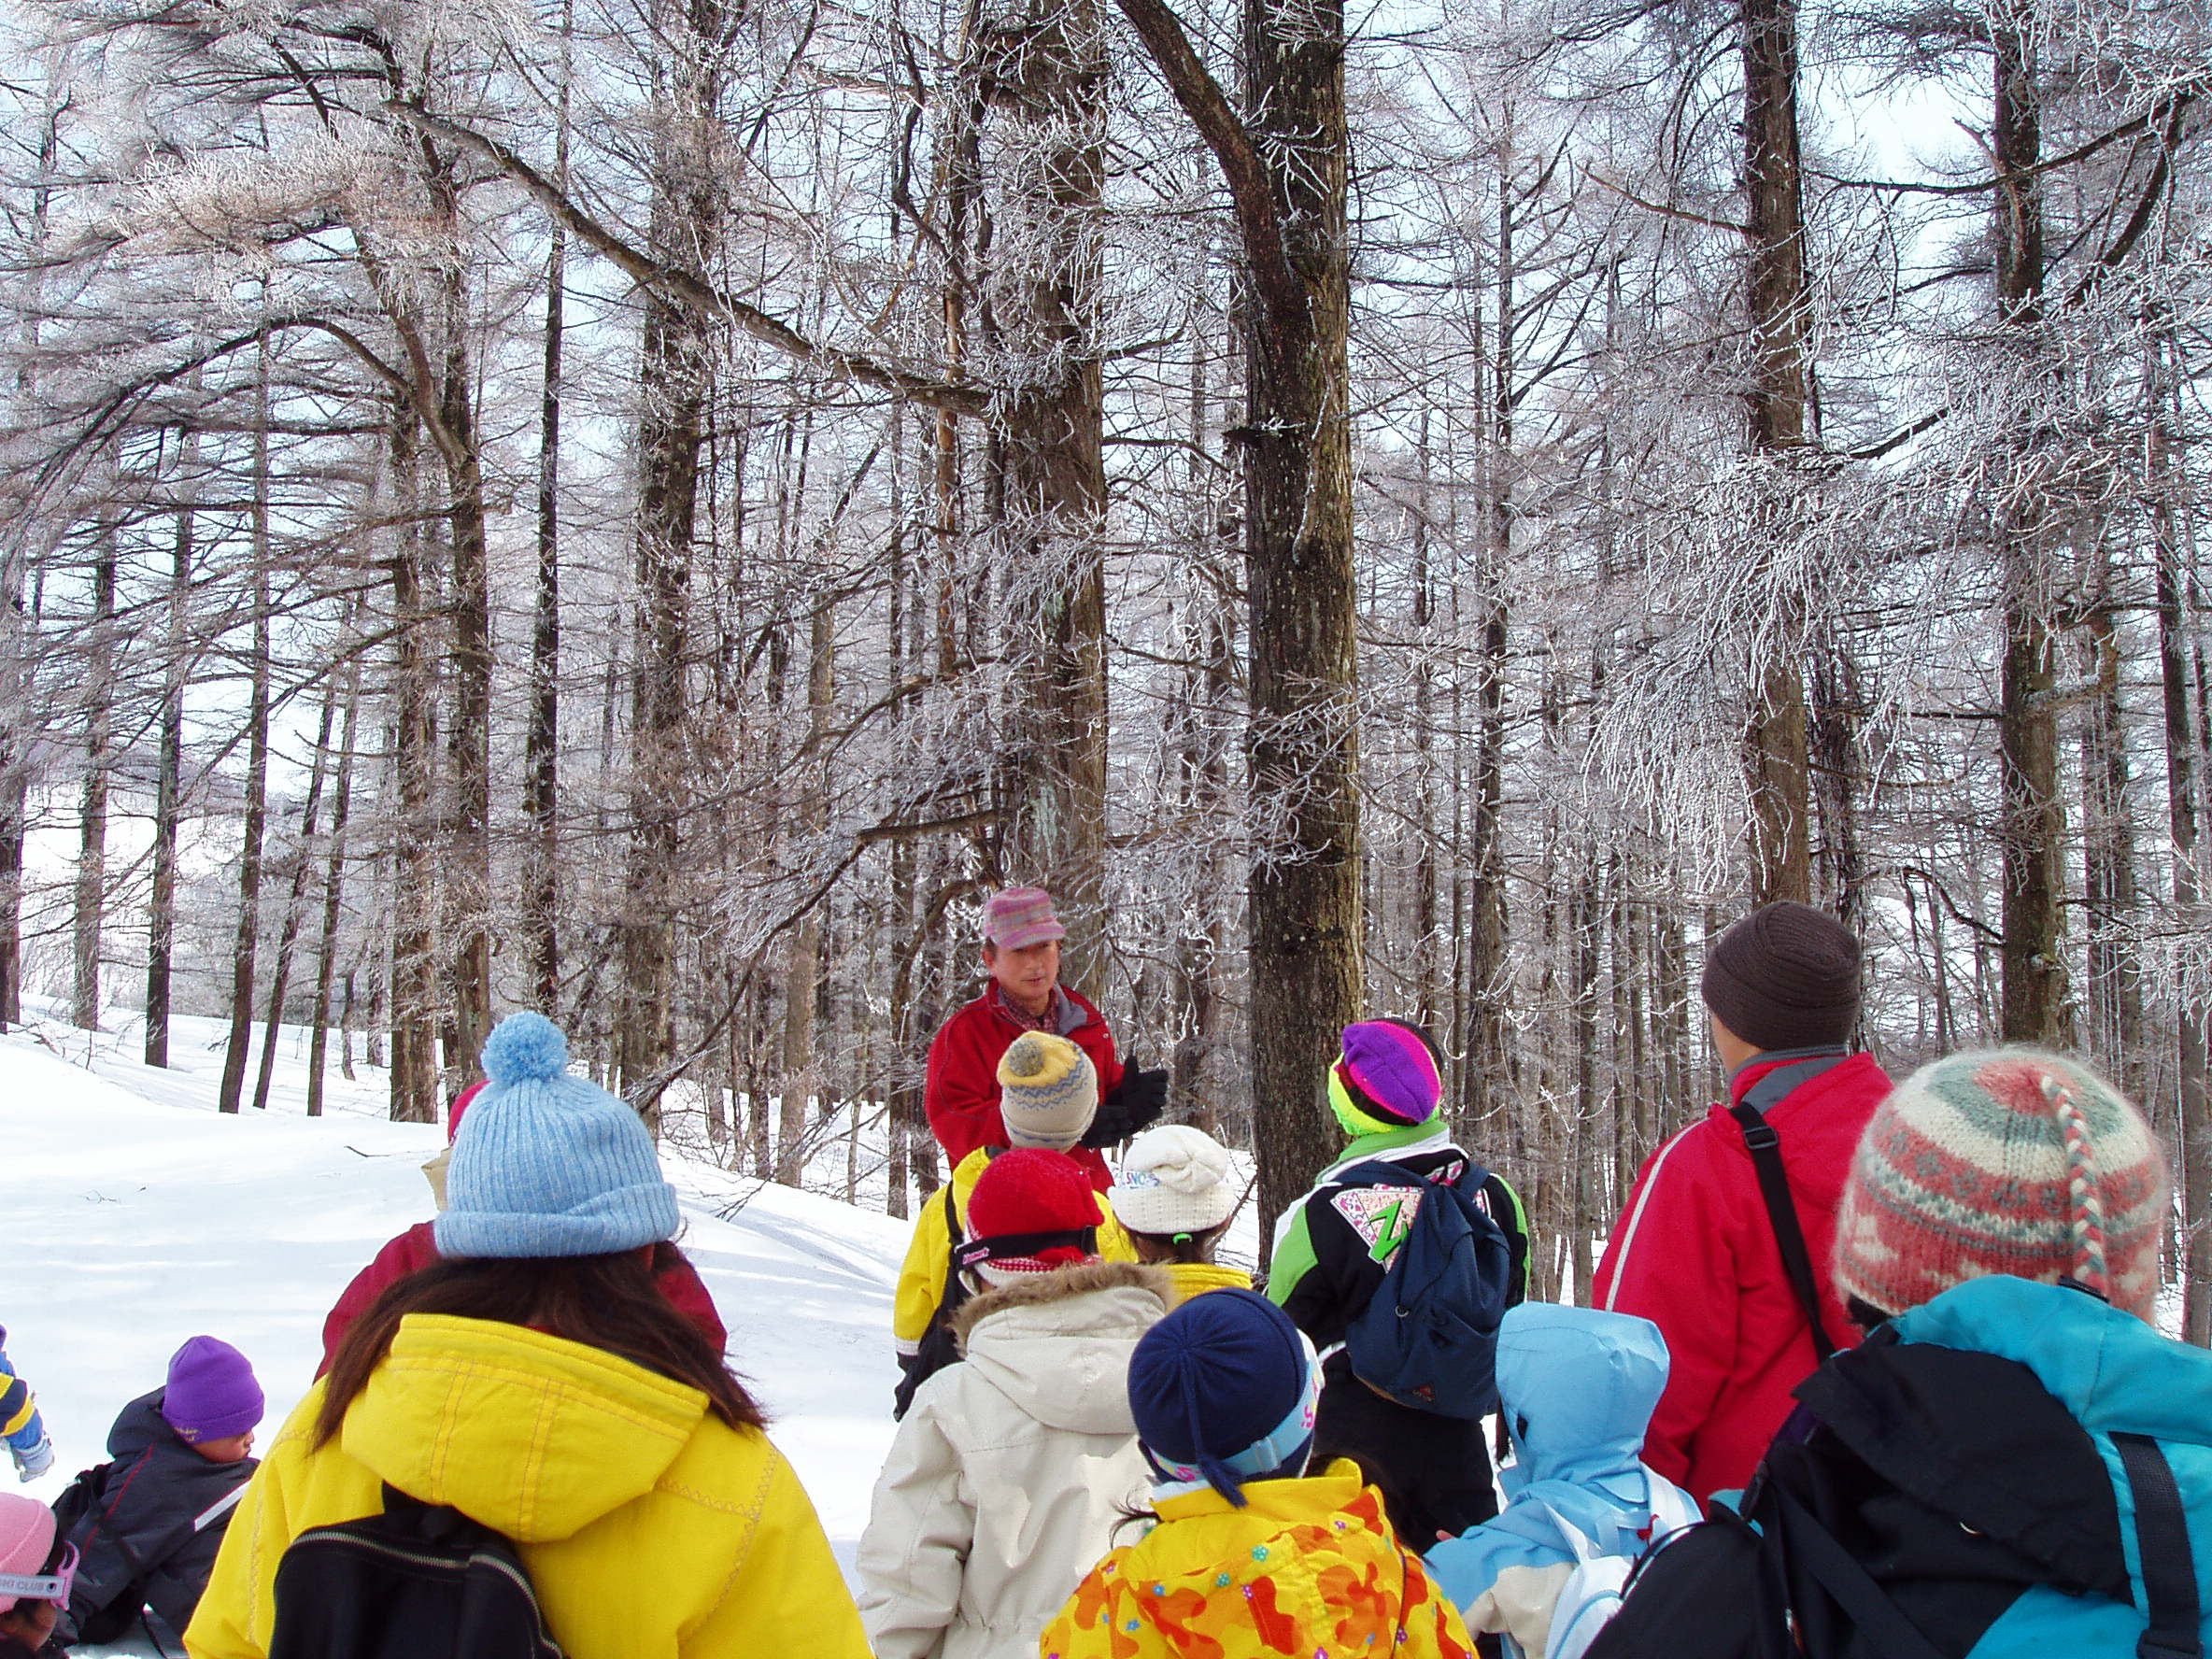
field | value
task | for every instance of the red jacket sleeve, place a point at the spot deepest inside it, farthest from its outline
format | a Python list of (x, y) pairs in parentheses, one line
[(1670, 1261), (687, 1293), (411, 1252), (961, 1091)]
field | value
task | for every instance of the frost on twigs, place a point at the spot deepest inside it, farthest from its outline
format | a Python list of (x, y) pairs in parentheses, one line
[(230, 202)]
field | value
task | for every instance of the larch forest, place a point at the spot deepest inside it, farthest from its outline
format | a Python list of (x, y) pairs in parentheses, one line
[(650, 509)]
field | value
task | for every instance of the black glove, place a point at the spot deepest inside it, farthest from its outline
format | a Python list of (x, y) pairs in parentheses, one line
[(1135, 1104)]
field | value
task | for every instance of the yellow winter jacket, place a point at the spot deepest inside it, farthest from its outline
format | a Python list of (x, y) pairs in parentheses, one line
[(1309, 1566), (930, 1252), (650, 1528), (1193, 1279)]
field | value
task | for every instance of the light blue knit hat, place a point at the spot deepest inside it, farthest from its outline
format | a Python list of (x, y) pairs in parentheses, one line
[(546, 1164)]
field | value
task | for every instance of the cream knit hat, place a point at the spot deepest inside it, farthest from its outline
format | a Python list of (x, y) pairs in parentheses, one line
[(1175, 1179)]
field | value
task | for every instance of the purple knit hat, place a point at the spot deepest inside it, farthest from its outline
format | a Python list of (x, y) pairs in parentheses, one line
[(212, 1394), (1387, 1074)]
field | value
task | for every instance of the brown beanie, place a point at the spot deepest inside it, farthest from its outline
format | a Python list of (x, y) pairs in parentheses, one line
[(1786, 976)]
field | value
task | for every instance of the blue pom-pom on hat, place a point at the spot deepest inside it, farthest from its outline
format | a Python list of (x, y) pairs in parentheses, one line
[(546, 1164), (524, 1046)]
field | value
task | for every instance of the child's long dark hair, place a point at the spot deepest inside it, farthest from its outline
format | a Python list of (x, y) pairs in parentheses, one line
[(608, 1302)]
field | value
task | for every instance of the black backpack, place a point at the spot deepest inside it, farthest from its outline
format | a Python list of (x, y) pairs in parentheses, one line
[(938, 1347), (418, 1582), (78, 1516)]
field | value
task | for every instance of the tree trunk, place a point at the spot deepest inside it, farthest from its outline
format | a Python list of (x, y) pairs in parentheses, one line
[(326, 954), (1835, 744), (803, 980), (541, 903), (257, 770), (1286, 163), (161, 926), (2108, 860), (2193, 1075), (295, 900), (1196, 1072), (2036, 1006), (465, 853), (677, 371), (1488, 1085), (1046, 69), (414, 961), (1779, 304), (90, 910)]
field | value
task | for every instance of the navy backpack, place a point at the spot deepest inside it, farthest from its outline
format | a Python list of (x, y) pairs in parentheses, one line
[(1428, 1337)]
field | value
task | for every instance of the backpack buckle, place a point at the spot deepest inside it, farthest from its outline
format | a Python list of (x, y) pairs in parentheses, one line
[(1761, 1137)]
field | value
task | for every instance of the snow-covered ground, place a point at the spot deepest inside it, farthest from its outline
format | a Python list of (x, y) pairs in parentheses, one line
[(133, 1216)]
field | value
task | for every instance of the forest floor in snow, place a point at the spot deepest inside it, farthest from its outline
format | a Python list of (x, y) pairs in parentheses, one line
[(133, 1216)]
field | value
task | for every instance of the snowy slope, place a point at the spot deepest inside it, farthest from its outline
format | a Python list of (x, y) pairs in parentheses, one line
[(133, 1216)]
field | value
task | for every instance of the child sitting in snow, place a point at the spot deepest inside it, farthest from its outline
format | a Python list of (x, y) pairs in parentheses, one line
[(1577, 1387), (147, 1527), (34, 1571), (21, 1426), (1006, 1480), (1250, 1554), (1175, 1196)]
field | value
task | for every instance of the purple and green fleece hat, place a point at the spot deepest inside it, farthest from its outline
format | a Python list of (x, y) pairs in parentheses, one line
[(1386, 1077)]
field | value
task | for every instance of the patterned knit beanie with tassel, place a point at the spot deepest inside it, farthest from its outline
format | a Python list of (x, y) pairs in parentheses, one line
[(2003, 1161)]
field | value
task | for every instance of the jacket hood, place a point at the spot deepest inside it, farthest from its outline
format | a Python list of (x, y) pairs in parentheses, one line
[(1194, 1279), (1058, 1345), (1818, 1136), (1578, 1386), (1314, 1555), (140, 1425), (2112, 1372), (528, 1433)]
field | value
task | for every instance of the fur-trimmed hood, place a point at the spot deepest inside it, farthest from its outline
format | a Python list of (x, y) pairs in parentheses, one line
[(1058, 1345), (1033, 1289)]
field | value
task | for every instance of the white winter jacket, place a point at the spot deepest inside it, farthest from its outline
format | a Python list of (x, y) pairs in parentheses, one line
[(1012, 1470)]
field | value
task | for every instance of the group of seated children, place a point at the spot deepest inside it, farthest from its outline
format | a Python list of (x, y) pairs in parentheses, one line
[(136, 1537)]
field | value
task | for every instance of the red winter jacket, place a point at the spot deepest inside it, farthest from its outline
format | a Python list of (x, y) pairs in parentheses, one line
[(417, 1248), (1695, 1254), (962, 1092)]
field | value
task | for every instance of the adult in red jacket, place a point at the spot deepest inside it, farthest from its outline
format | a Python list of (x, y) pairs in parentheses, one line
[(1021, 953), (416, 1248), (1695, 1251)]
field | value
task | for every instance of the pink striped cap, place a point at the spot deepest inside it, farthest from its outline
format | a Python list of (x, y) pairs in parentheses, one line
[(1014, 918)]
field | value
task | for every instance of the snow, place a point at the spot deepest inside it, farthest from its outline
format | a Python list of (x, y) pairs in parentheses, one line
[(133, 1216)]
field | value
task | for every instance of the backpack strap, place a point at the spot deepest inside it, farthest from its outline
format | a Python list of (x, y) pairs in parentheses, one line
[(2161, 1543), (1853, 1587), (1764, 1143), (955, 1288)]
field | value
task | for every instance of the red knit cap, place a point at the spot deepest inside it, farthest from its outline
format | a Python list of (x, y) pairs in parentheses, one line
[(1029, 1191), (2010, 1161)]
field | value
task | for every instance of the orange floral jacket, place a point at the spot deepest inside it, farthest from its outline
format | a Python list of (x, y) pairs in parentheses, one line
[(1308, 1569)]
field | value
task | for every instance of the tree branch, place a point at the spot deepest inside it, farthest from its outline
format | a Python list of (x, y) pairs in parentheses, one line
[(651, 273), (1668, 209), (2161, 173), (1259, 217)]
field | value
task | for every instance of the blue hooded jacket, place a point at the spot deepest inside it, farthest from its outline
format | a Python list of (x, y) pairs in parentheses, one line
[(1578, 1386)]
